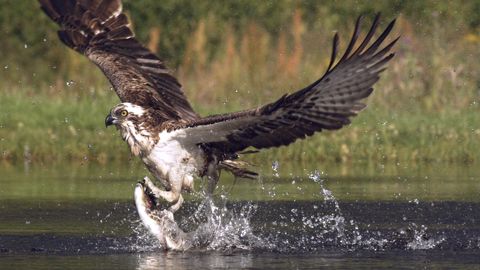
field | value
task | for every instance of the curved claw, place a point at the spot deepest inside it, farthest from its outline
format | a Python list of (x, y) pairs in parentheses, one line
[(172, 196)]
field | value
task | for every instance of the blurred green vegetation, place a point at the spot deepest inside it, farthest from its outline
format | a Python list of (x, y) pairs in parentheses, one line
[(94, 182), (233, 55)]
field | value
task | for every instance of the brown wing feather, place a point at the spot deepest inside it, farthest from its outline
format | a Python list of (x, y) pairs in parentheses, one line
[(99, 29), (328, 103)]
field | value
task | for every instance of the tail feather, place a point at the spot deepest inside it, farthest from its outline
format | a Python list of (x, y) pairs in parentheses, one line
[(237, 168)]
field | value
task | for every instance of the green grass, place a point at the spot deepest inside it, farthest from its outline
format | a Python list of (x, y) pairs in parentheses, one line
[(49, 129), (425, 108)]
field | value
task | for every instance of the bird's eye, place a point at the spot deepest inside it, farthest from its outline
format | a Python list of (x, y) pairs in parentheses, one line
[(124, 113)]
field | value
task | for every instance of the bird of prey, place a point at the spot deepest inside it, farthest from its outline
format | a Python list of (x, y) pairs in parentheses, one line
[(175, 143)]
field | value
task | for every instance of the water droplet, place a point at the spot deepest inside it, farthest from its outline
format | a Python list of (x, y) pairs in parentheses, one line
[(315, 176), (275, 167)]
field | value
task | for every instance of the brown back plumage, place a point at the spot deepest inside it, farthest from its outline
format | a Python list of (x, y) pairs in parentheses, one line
[(99, 30)]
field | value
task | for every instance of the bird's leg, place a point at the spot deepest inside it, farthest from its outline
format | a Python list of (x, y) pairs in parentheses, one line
[(174, 207), (153, 188), (172, 196)]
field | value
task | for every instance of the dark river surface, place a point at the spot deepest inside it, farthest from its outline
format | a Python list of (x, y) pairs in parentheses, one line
[(346, 217)]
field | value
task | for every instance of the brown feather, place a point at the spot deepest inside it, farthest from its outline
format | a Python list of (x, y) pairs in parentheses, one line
[(326, 104), (99, 29)]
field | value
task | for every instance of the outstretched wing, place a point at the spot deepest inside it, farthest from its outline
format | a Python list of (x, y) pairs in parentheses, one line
[(327, 104), (99, 30)]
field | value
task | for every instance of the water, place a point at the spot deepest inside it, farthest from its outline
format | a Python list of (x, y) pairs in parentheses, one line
[(350, 218)]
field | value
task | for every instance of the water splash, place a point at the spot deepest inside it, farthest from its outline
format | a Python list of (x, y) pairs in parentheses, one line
[(70, 83), (301, 229), (216, 227), (293, 227), (275, 168), (143, 240), (421, 240), (227, 228)]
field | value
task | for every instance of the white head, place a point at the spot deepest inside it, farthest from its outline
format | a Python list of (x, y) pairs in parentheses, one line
[(122, 112), (129, 119)]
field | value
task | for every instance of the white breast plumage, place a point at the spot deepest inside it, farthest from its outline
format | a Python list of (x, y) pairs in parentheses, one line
[(173, 158)]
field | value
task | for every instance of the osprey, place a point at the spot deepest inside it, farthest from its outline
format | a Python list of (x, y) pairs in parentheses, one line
[(159, 124)]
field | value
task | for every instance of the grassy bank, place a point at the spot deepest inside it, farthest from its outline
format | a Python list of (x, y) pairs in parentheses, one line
[(425, 108), (48, 129)]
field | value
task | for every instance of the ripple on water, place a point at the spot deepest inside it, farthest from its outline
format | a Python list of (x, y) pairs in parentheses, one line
[(275, 225), (292, 227)]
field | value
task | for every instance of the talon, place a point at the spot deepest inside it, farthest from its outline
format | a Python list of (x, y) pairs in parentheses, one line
[(168, 214), (149, 183), (147, 180), (176, 204)]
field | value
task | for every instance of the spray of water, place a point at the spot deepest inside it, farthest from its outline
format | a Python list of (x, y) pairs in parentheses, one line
[(421, 240), (216, 225)]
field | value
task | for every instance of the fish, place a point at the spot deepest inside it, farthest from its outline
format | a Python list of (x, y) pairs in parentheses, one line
[(160, 223)]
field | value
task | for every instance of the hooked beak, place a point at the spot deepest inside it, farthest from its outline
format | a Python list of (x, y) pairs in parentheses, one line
[(109, 120)]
